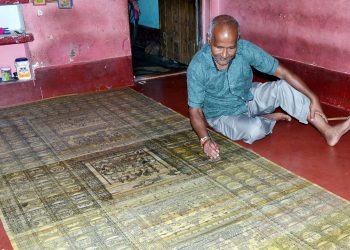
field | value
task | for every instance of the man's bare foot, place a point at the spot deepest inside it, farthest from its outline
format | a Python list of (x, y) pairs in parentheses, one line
[(334, 133), (278, 117)]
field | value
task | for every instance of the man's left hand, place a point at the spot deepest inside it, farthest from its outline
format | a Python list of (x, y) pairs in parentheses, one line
[(316, 109)]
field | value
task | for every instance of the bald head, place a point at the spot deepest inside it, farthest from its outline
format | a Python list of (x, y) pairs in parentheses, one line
[(227, 22)]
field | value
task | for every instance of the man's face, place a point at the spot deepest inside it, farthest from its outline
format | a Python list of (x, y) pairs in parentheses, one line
[(223, 45)]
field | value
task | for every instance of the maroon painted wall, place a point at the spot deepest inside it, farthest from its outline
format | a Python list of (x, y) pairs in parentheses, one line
[(92, 30), (315, 32), (311, 36), (77, 50)]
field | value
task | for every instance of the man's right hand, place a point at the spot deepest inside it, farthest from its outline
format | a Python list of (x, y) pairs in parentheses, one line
[(211, 149)]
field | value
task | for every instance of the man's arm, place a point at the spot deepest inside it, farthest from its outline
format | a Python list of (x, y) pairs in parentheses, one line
[(315, 107), (210, 148)]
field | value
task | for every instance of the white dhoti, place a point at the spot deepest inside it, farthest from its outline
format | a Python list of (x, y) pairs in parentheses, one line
[(251, 126)]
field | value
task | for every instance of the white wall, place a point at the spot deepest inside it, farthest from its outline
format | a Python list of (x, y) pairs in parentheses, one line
[(11, 17)]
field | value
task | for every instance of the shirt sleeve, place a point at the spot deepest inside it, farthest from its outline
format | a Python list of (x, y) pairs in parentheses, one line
[(259, 59), (195, 86)]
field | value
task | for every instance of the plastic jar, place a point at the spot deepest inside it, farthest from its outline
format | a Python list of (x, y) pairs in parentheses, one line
[(5, 73), (23, 68)]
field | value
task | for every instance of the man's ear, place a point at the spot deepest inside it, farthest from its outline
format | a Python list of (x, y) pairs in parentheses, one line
[(208, 39)]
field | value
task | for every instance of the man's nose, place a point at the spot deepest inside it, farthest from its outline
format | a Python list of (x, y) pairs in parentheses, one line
[(224, 53)]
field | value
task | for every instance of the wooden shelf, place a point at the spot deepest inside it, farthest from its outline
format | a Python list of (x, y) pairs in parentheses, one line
[(7, 2), (16, 39)]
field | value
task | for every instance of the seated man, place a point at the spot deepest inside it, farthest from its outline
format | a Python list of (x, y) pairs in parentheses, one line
[(221, 91)]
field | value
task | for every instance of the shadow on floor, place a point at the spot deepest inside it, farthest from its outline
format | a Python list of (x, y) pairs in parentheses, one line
[(150, 64)]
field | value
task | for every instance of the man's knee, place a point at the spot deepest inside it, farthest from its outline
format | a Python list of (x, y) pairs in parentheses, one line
[(255, 131), (248, 129), (286, 90)]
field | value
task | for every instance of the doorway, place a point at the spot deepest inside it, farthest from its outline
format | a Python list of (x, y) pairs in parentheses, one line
[(165, 39)]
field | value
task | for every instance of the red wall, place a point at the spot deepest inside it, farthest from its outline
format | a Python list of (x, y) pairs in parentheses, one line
[(311, 36), (83, 49), (92, 30), (315, 32)]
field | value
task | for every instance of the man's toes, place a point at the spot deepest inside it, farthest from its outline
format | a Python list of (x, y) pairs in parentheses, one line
[(287, 118)]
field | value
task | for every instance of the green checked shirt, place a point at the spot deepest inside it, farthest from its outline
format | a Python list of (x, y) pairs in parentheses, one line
[(225, 92)]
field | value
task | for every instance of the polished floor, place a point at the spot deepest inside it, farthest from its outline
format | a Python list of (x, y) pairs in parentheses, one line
[(294, 146)]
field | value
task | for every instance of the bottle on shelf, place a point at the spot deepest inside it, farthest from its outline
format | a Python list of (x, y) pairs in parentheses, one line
[(23, 68), (6, 74)]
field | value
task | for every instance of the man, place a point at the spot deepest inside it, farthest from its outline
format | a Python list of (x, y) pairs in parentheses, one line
[(221, 92)]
